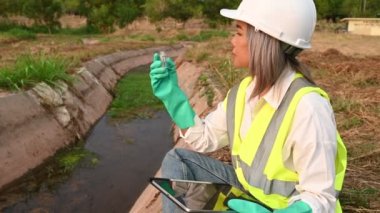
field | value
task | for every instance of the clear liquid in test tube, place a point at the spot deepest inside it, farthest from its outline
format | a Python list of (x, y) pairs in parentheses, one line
[(163, 58)]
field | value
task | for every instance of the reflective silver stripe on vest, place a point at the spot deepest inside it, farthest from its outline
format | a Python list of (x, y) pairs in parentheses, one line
[(254, 174)]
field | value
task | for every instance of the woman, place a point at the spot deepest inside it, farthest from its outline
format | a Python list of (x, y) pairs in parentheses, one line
[(285, 148)]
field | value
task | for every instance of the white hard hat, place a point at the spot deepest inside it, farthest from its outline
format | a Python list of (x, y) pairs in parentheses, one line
[(290, 21)]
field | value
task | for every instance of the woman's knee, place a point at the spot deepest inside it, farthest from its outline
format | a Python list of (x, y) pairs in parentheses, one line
[(171, 158), (173, 162), (175, 154)]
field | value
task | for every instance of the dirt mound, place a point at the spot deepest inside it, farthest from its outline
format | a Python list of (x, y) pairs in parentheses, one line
[(335, 61), (331, 52)]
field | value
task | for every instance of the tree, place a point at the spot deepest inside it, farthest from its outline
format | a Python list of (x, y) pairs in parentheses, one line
[(44, 12), (360, 8), (155, 10), (127, 13), (3, 8), (371, 8), (211, 8), (182, 10), (104, 14), (70, 6), (8, 7), (330, 9)]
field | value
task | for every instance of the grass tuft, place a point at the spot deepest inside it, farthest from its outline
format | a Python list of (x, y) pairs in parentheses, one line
[(352, 122), (22, 34), (69, 160), (208, 91), (368, 82), (344, 105), (358, 197), (30, 70), (229, 73)]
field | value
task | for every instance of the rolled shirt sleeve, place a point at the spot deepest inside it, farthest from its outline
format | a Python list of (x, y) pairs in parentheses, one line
[(208, 134), (311, 150)]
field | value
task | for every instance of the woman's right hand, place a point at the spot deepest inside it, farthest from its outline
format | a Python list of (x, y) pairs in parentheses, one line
[(165, 87), (160, 79)]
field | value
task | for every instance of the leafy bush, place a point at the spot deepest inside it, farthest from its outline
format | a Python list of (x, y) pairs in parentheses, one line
[(6, 25), (30, 70)]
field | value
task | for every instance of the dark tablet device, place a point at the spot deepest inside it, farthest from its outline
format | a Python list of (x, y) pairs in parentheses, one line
[(198, 196)]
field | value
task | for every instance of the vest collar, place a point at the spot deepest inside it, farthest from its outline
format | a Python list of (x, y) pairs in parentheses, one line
[(277, 92)]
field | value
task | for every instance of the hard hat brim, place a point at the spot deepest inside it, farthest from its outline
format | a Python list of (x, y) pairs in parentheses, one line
[(232, 14)]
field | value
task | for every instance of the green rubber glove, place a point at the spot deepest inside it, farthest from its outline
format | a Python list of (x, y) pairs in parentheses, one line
[(299, 207), (165, 87), (244, 206)]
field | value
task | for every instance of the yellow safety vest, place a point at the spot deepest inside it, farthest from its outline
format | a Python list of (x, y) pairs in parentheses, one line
[(220, 199), (257, 158)]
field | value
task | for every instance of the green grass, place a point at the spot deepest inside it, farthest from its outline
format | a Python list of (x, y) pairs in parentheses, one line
[(208, 92), (344, 105), (360, 149), (8, 26), (204, 35), (30, 70), (368, 82), (68, 160), (352, 122), (229, 73), (134, 97), (86, 30), (358, 197), (204, 56), (142, 37), (22, 34)]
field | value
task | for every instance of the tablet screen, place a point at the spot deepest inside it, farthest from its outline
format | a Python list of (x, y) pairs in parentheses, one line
[(195, 196)]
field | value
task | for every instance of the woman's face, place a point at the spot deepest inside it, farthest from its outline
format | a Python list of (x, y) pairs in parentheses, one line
[(240, 55)]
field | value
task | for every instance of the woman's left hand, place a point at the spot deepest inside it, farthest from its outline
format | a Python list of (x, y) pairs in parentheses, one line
[(245, 206)]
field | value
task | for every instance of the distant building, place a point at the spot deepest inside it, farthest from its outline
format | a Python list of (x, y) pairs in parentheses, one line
[(363, 26)]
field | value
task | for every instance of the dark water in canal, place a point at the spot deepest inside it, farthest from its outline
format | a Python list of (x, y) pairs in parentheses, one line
[(129, 153)]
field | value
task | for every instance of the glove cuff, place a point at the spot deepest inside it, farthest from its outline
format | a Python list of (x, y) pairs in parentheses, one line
[(180, 110)]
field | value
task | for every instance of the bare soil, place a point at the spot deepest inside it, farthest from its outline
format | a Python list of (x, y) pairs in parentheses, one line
[(353, 83)]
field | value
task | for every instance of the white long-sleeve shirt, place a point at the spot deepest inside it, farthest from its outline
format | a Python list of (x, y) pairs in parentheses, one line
[(309, 149)]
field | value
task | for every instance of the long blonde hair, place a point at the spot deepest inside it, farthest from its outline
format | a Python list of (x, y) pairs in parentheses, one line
[(268, 59)]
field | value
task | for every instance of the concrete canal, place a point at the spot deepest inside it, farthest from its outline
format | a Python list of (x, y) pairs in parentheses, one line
[(116, 160)]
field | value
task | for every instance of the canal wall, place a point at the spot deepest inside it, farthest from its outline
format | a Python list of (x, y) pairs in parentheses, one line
[(34, 124), (188, 78)]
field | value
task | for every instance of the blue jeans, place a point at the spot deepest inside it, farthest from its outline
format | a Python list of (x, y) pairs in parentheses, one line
[(184, 164)]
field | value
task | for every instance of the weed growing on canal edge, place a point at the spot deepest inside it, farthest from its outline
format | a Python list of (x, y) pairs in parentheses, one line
[(208, 91), (30, 70), (134, 97), (50, 174), (70, 159)]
